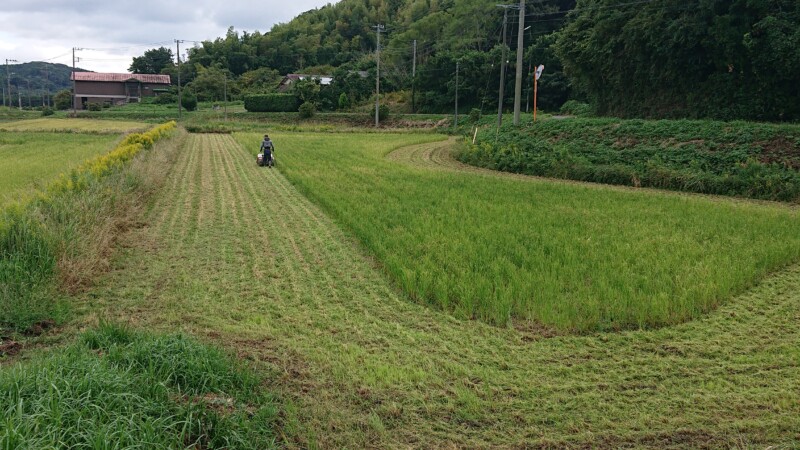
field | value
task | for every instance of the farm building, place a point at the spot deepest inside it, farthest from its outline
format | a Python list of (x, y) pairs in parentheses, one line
[(290, 79), (116, 88)]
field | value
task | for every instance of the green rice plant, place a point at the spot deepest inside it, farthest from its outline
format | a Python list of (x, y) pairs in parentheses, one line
[(572, 257), (119, 388)]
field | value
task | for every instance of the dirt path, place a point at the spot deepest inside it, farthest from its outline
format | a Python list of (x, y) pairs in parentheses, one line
[(235, 254)]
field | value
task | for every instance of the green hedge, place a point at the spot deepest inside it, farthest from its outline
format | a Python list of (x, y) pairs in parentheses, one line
[(271, 103)]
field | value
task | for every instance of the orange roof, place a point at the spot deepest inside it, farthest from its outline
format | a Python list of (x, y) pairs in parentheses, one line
[(120, 77)]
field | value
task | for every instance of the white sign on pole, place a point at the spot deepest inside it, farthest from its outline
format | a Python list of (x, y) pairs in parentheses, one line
[(539, 71)]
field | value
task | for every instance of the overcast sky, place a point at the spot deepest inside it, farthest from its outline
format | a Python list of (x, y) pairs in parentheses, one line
[(113, 32)]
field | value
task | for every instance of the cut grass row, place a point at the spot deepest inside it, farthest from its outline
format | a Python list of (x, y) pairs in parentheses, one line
[(570, 257), (117, 388)]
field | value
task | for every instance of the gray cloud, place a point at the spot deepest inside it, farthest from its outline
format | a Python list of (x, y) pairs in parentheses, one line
[(34, 30)]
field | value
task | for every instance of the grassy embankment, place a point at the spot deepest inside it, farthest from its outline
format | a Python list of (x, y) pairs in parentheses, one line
[(235, 254), (741, 159), (570, 257), (58, 237)]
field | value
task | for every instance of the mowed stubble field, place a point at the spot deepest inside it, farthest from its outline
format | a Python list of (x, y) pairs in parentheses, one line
[(236, 254)]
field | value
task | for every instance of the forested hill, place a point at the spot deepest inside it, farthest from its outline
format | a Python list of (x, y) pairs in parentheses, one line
[(646, 58), (35, 80)]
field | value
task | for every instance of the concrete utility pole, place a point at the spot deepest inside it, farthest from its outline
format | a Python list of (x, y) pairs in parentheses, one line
[(456, 119), (414, 79), (378, 29), (8, 75), (503, 67), (520, 51), (178, 47), (225, 95)]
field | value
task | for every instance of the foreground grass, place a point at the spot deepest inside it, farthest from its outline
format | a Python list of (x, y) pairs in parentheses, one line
[(123, 389), (571, 257), (233, 252)]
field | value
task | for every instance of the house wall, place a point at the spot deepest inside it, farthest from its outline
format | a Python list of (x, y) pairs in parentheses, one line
[(105, 91)]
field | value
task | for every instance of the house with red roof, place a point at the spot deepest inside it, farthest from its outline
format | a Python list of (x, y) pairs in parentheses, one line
[(116, 88)]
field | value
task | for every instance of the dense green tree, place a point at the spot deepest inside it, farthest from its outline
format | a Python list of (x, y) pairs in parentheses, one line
[(153, 61), (713, 58), (63, 99)]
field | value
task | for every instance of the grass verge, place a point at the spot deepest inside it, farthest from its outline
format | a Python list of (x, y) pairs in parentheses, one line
[(118, 388)]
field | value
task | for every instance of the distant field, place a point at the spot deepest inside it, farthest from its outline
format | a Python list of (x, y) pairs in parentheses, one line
[(571, 257), (27, 158), (74, 125)]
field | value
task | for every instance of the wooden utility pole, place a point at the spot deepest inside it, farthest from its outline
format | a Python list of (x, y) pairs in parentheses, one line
[(414, 78), (456, 118), (520, 51), (74, 93), (502, 67), (8, 75), (180, 100), (378, 29)]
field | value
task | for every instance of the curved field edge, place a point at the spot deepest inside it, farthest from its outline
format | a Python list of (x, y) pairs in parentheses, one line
[(564, 256), (234, 253)]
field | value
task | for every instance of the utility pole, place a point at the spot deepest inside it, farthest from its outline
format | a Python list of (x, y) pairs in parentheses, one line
[(520, 50), (502, 67), (8, 75), (225, 95), (29, 93), (414, 79), (74, 93), (378, 29), (46, 86), (456, 119), (178, 47), (528, 96)]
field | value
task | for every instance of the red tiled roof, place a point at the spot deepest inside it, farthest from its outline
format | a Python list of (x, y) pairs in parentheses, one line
[(120, 77)]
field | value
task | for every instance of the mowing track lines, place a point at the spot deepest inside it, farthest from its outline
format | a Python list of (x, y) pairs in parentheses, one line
[(434, 381)]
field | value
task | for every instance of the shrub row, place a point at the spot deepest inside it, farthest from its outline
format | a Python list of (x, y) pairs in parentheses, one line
[(271, 103), (735, 159), (31, 235)]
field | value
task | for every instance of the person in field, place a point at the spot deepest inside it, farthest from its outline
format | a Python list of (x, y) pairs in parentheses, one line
[(268, 149)]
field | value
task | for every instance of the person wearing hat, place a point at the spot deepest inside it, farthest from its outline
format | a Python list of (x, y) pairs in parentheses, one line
[(268, 148)]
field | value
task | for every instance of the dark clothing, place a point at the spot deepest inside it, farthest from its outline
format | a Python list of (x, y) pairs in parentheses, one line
[(267, 146)]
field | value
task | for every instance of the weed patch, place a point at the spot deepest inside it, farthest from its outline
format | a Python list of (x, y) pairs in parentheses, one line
[(123, 389)]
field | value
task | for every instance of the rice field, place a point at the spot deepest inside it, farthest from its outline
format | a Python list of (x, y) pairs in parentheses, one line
[(74, 126), (28, 159), (569, 257)]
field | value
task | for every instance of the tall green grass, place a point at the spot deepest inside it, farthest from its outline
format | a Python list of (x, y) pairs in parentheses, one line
[(740, 159), (118, 388), (572, 257), (49, 238)]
